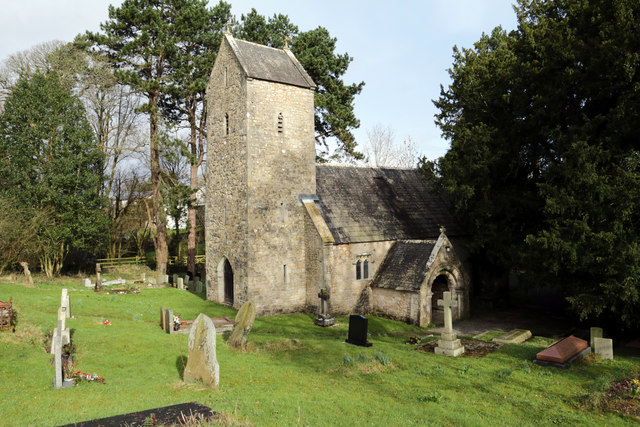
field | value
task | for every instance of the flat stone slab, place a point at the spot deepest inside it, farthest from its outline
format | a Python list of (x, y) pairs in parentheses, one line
[(168, 415), (565, 365), (514, 336), (563, 350)]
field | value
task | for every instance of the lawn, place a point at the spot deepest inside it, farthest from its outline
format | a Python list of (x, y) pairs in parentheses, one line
[(291, 373)]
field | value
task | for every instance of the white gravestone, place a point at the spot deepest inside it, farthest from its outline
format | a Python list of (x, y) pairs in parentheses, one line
[(603, 347), (448, 344), (180, 283)]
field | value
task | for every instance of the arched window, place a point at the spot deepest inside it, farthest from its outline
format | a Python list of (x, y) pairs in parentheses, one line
[(280, 123), (365, 269), (358, 272)]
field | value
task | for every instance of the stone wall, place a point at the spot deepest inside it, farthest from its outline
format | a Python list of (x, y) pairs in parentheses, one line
[(261, 157), (398, 305), (226, 222), (340, 272), (281, 166)]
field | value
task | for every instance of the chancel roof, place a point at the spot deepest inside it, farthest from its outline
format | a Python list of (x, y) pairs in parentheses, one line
[(267, 63), (365, 204), (405, 266)]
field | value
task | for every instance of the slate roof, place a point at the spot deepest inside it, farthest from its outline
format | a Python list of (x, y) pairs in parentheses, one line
[(365, 204), (267, 63), (405, 266)]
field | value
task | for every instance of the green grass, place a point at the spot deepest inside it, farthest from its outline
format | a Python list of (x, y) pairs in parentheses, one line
[(292, 372)]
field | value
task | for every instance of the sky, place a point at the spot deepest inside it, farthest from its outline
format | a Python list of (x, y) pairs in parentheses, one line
[(401, 51)]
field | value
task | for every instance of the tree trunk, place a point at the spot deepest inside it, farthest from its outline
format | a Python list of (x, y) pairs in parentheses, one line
[(191, 240), (158, 214)]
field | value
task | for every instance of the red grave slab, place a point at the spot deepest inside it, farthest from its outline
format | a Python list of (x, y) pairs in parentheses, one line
[(563, 350)]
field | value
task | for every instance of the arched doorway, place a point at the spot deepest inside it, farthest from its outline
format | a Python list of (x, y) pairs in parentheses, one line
[(438, 287), (228, 282)]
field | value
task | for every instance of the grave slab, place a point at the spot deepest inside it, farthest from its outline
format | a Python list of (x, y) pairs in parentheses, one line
[(515, 336), (563, 350), (603, 347), (167, 415)]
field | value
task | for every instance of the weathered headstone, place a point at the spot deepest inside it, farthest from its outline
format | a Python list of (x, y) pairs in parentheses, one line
[(64, 302), (242, 325), (358, 330), (186, 279), (563, 353), (57, 362), (198, 286), (515, 336), (595, 333), (98, 287), (603, 347), (87, 283), (152, 281), (202, 364), (163, 319), (169, 321), (448, 344), (180, 283), (324, 319), (62, 327)]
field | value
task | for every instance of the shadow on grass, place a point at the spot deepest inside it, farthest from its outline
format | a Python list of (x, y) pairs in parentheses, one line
[(181, 364)]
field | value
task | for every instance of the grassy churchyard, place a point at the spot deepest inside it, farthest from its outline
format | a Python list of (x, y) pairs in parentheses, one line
[(291, 373)]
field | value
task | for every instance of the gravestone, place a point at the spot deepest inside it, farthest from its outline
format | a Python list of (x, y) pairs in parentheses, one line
[(57, 362), (58, 376), (169, 321), (603, 347), (358, 329), (64, 302), (202, 364), (163, 319), (595, 333), (448, 344), (563, 353), (180, 283), (186, 279), (515, 336), (152, 281), (242, 325), (198, 286), (324, 319), (87, 283), (98, 287)]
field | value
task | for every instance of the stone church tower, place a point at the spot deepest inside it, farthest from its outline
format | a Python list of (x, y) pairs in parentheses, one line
[(260, 160)]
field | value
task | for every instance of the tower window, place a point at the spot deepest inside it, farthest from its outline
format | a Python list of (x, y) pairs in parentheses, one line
[(365, 269), (285, 274), (226, 123), (358, 270), (280, 123)]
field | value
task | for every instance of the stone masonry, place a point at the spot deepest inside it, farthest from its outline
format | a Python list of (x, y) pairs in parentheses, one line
[(261, 158)]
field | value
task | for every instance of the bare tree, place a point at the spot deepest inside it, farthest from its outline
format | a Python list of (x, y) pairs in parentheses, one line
[(381, 149)]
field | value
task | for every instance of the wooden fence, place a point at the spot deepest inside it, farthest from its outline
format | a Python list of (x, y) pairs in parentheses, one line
[(112, 262)]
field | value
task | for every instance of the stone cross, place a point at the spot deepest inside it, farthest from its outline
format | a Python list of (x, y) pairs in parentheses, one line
[(448, 344), (324, 296), (447, 303), (323, 318)]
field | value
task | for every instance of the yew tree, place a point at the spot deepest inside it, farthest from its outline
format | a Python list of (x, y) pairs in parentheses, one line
[(544, 163), (51, 169)]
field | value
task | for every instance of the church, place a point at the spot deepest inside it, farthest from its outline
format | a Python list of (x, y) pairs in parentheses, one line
[(280, 228)]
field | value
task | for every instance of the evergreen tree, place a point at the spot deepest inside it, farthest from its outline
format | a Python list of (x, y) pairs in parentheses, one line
[(544, 157), (49, 161)]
